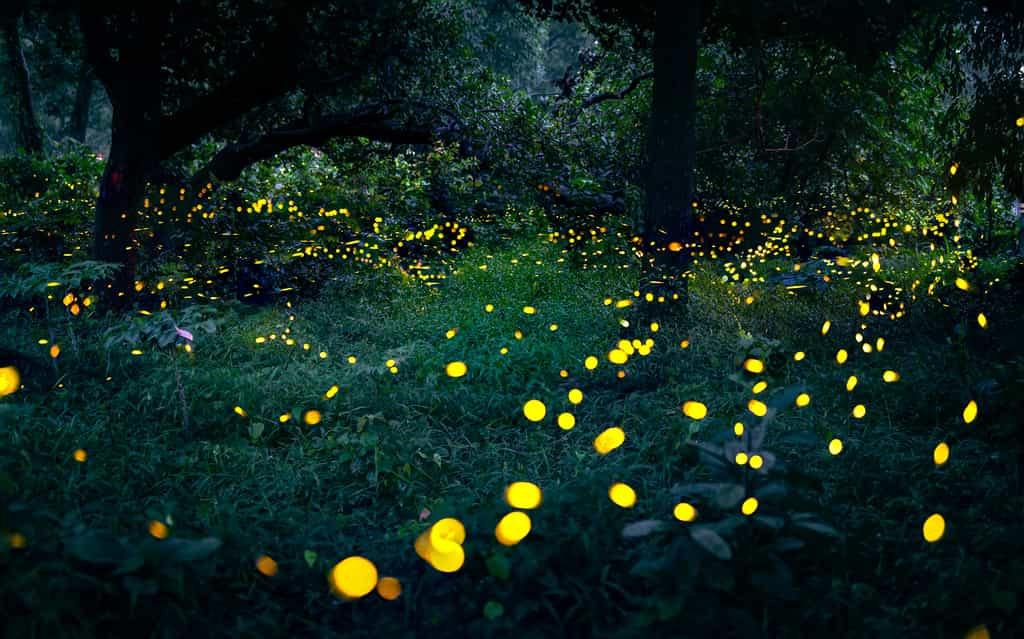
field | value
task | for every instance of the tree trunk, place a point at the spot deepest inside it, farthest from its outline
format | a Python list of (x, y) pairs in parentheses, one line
[(132, 160), (27, 133), (79, 125), (672, 150)]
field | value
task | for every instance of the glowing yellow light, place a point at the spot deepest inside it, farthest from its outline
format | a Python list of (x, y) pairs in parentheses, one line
[(609, 440), (80, 455), (158, 529), (962, 284), (738, 428), (512, 528), (455, 369), (859, 411), (590, 363), (655, 327), (953, 169), (749, 506), (284, 417), (575, 396), (523, 495), (266, 566), (890, 376), (529, 310), (622, 495), (684, 512), (981, 632), (756, 461), (835, 446), (982, 320), (534, 410), (753, 365), (1020, 121), (55, 351), (241, 411), (759, 387), (851, 382), (934, 527), (798, 356), (803, 399), (841, 356), (389, 588), (447, 561), (695, 410), (757, 407), (331, 392), (489, 308), (741, 459), (311, 417), (566, 421), (970, 412), (824, 327), (447, 533), (617, 356), (354, 577), (941, 454), (10, 380), (684, 344)]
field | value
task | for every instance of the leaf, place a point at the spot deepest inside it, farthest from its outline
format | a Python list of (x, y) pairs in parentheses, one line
[(493, 610), (706, 489), (96, 548), (255, 430), (712, 542), (775, 523), (642, 528), (771, 489), (818, 527), (729, 496), (788, 544), (179, 549), (310, 557), (498, 566)]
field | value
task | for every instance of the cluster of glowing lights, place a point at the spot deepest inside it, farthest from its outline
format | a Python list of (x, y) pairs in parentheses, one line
[(441, 545)]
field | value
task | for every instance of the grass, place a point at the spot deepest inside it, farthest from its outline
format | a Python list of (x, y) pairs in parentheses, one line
[(395, 451)]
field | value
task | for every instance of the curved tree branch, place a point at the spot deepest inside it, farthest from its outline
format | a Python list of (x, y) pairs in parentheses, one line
[(618, 95), (374, 122)]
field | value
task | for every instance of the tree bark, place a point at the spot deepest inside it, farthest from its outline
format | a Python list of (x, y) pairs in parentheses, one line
[(132, 160), (134, 88), (79, 125), (672, 147), (27, 132)]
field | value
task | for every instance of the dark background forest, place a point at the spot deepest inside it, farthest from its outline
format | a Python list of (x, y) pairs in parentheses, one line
[(511, 318)]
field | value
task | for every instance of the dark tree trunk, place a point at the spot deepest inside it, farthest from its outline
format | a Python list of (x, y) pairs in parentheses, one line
[(134, 88), (672, 145), (28, 134), (132, 160), (79, 125)]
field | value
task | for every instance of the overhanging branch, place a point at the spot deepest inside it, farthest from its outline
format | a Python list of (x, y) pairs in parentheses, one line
[(618, 95), (374, 122)]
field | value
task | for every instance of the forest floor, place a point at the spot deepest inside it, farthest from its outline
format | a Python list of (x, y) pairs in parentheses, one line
[(211, 492)]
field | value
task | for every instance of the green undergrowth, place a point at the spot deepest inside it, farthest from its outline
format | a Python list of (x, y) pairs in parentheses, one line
[(197, 441)]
